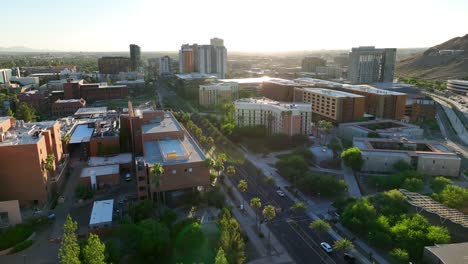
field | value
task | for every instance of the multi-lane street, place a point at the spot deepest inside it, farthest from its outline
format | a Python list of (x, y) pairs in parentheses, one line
[(291, 229)]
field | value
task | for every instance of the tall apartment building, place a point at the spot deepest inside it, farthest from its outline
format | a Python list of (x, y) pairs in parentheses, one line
[(24, 148), (279, 89), (113, 65), (209, 59), (380, 103), (335, 106), (165, 66), (135, 57), (157, 137), (278, 118), (309, 64), (5, 75), (218, 93), (369, 65)]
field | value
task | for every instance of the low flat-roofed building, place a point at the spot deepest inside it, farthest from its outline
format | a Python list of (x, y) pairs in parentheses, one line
[(386, 128), (446, 254), (336, 106), (428, 157), (101, 214), (251, 86), (87, 112), (100, 176), (66, 107), (218, 93), (120, 159), (24, 149), (10, 214), (277, 117)]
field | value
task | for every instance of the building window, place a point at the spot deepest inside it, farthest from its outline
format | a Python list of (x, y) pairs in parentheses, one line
[(174, 171), (190, 170)]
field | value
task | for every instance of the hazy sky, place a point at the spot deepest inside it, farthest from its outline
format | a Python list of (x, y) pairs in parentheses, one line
[(245, 25)]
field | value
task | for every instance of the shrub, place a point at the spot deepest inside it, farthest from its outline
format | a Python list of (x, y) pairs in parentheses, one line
[(22, 246), (83, 192), (215, 198), (15, 235)]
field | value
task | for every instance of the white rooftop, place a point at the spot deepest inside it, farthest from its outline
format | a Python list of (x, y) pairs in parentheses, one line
[(329, 92), (82, 133), (122, 158), (168, 124), (195, 75), (99, 170), (369, 89), (102, 212), (173, 151), (91, 111), (247, 80)]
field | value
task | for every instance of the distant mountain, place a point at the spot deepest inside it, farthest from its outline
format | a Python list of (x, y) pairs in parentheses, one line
[(22, 49), (437, 62)]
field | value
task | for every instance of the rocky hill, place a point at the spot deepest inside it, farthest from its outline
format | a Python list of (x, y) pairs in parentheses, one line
[(438, 63)]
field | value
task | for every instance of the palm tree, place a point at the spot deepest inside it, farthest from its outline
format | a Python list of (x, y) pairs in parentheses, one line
[(343, 245), (157, 170), (256, 203), (242, 186), (218, 166), (319, 226), (209, 141), (222, 157), (231, 170), (209, 163), (269, 213)]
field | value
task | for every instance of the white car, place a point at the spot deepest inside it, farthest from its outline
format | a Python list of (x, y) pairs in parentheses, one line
[(325, 246), (280, 193)]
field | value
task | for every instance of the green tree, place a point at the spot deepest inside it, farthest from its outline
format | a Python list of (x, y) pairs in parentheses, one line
[(325, 127), (222, 157), (218, 166), (209, 163), (69, 252), (352, 158), (231, 240), (10, 112), (209, 141), (269, 213), (242, 186), (221, 257), (438, 184), (299, 208), (256, 204), (335, 146), (231, 170), (140, 211), (390, 203), (94, 250), (413, 184), (453, 196), (359, 216), (189, 239), (400, 255), (319, 226), (157, 171), (343, 245), (49, 164), (26, 113)]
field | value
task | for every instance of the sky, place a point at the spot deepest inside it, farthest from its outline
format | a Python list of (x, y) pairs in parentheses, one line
[(245, 25)]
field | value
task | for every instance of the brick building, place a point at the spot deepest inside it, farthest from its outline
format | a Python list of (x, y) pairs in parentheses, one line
[(113, 65), (37, 99), (335, 106), (157, 137), (218, 93), (278, 118), (66, 107), (93, 91), (24, 148), (279, 89)]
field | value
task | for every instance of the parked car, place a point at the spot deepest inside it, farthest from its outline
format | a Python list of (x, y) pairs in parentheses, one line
[(325, 246), (349, 258), (128, 176), (280, 193)]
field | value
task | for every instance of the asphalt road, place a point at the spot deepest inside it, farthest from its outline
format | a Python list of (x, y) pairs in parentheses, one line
[(291, 229)]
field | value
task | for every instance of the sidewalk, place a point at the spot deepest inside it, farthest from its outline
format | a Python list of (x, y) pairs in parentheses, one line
[(311, 212), (246, 221)]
